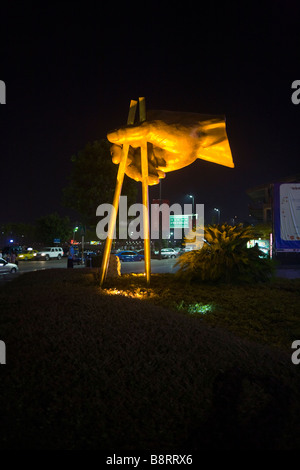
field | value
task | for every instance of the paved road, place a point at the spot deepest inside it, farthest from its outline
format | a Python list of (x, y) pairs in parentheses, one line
[(289, 272), (157, 266), (27, 266), (167, 266)]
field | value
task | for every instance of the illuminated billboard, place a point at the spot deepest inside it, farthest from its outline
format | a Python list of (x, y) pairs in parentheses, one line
[(180, 221)]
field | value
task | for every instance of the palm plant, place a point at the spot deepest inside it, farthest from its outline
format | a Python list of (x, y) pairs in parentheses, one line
[(225, 257)]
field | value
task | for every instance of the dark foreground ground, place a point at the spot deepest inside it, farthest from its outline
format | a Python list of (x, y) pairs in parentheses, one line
[(88, 371)]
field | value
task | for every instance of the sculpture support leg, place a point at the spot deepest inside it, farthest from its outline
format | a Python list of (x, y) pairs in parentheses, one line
[(145, 198), (118, 189), (145, 195), (113, 217)]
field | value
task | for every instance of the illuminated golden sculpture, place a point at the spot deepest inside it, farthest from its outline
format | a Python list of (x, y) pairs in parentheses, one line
[(175, 140), (166, 141)]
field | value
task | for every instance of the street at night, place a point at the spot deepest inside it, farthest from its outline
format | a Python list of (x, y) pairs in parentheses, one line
[(136, 267), (157, 266)]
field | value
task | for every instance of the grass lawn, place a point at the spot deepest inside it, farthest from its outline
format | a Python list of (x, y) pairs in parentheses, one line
[(170, 368), (267, 313)]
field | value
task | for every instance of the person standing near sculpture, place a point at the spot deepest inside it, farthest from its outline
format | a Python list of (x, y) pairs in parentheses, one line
[(71, 254)]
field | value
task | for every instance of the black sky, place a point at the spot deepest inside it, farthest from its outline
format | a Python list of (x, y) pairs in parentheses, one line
[(71, 70)]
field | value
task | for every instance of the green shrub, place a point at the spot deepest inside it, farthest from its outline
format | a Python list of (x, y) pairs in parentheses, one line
[(225, 257)]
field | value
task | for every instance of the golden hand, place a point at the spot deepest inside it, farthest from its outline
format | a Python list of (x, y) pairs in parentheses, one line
[(174, 141)]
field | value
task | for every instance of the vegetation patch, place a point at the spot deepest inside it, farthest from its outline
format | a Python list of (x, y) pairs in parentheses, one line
[(91, 371), (265, 312), (225, 257)]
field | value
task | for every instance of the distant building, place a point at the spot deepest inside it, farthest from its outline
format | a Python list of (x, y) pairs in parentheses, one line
[(261, 205), (277, 204)]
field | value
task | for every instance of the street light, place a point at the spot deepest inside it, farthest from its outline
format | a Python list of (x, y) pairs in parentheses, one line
[(75, 230), (190, 195), (234, 220), (218, 211)]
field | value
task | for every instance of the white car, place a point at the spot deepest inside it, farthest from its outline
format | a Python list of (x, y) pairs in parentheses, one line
[(6, 267), (167, 253), (49, 253)]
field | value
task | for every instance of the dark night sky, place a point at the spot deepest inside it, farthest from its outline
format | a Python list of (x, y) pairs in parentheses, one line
[(71, 69)]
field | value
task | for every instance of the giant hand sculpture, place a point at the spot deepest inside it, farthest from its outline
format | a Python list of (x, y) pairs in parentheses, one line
[(175, 140)]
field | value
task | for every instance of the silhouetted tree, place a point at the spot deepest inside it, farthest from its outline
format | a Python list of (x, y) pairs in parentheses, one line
[(53, 226), (92, 182)]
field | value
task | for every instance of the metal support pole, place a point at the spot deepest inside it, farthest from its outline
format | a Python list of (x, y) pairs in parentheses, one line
[(82, 249), (145, 196), (118, 189)]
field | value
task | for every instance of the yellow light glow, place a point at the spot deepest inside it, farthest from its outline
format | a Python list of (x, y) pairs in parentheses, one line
[(124, 293)]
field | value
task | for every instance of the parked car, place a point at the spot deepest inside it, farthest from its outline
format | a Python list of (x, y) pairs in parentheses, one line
[(90, 253), (77, 259), (6, 267), (50, 253), (180, 251), (130, 255), (26, 255), (167, 253), (141, 252), (8, 250), (65, 251)]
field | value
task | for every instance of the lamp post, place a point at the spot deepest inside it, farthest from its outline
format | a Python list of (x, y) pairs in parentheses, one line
[(234, 220), (74, 230), (218, 211), (82, 243), (193, 207), (190, 195)]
